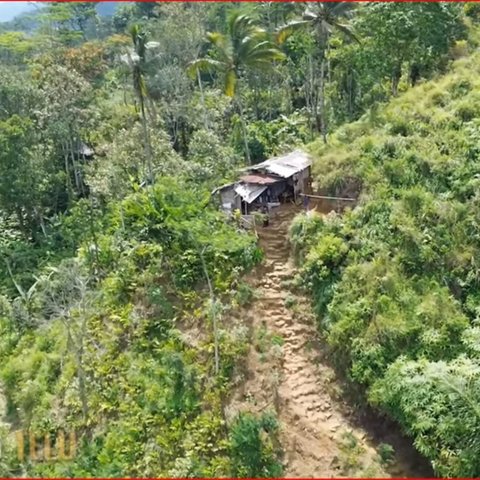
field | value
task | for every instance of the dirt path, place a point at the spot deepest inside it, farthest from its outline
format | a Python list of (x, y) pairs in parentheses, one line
[(285, 372)]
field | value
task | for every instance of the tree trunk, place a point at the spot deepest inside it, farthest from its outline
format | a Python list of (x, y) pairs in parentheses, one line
[(396, 75), (322, 120), (257, 98), (124, 85), (77, 346), (202, 98), (94, 235), (76, 172), (310, 97), (244, 131), (122, 217), (146, 138), (214, 314), (82, 385), (414, 74), (21, 223), (41, 221), (350, 94), (67, 175)]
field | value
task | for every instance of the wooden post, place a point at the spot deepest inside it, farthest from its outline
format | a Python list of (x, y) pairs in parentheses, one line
[(33, 447), (20, 445), (47, 448)]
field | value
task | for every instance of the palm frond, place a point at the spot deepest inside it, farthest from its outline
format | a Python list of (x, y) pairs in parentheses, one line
[(222, 47), (342, 9), (290, 28), (130, 58), (347, 31), (310, 16), (139, 40), (151, 45), (247, 45), (265, 51), (20, 290), (205, 64), (135, 32), (216, 38), (239, 24)]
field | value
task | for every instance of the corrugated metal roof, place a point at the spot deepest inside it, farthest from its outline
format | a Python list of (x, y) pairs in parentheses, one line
[(260, 179), (287, 165), (284, 171), (223, 187), (249, 192)]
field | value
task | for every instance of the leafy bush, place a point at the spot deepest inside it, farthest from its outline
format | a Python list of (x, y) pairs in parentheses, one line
[(267, 139), (252, 446), (244, 294), (438, 403), (386, 453)]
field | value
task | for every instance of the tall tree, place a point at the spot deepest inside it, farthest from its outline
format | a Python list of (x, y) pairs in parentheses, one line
[(62, 121), (401, 38), (136, 59), (68, 298), (22, 165), (245, 47), (324, 18), (71, 21)]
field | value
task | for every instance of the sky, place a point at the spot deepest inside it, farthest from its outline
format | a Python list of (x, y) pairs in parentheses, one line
[(8, 10)]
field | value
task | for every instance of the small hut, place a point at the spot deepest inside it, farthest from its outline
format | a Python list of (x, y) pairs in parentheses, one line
[(293, 168), (267, 184)]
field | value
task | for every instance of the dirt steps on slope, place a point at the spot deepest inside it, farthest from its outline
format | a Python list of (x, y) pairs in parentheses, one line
[(318, 436)]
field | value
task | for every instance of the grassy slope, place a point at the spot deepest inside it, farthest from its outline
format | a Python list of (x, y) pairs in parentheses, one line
[(396, 282)]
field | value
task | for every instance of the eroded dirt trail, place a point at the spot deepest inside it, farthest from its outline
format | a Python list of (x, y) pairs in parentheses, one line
[(285, 372)]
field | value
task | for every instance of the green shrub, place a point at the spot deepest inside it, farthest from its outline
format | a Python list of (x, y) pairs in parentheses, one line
[(467, 111), (386, 453), (472, 10), (252, 446), (244, 294)]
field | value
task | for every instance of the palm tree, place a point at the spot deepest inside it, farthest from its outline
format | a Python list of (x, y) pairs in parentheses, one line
[(324, 17), (135, 59), (246, 46)]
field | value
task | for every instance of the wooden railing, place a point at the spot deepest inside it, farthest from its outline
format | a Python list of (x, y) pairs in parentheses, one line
[(248, 222)]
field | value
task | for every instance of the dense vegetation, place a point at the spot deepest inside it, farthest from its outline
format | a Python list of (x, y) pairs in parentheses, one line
[(118, 277), (95, 343), (395, 281)]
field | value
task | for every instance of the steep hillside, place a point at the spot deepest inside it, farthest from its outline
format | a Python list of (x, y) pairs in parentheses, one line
[(287, 372), (123, 289), (116, 345), (395, 282)]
